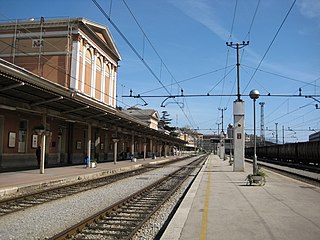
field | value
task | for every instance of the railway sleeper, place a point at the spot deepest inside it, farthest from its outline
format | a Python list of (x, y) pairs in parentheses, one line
[(25, 205), (100, 236), (135, 211), (4, 211), (13, 206), (120, 215), (138, 206), (144, 204), (111, 219), (105, 232), (120, 225), (112, 228)]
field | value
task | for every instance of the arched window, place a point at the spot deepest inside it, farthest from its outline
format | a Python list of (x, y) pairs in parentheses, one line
[(88, 71), (98, 86), (107, 84)]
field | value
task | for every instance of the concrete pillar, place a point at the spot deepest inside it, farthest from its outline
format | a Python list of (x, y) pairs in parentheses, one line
[(238, 136), (43, 144), (222, 147), (132, 144), (115, 152), (89, 144), (84, 50), (160, 149), (151, 148), (144, 150), (75, 63), (165, 149), (93, 73)]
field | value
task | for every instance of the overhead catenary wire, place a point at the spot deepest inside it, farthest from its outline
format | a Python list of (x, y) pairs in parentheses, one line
[(227, 57), (286, 77), (270, 45), (188, 79), (137, 54), (247, 38), (297, 109)]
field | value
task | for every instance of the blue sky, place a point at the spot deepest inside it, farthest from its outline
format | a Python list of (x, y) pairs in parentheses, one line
[(190, 37)]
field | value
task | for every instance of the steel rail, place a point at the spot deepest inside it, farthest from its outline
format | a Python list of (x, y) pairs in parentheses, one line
[(15, 204), (97, 224)]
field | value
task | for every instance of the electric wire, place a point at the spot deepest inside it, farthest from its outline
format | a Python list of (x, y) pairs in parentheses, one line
[(286, 77), (286, 114), (188, 79), (227, 57), (137, 54), (270, 45), (162, 62), (247, 37), (221, 80)]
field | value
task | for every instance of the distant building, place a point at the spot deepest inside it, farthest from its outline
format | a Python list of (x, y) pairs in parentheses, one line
[(148, 116), (314, 137), (210, 142)]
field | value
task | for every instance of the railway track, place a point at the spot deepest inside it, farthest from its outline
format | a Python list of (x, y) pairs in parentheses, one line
[(123, 219), (26, 201), (300, 173)]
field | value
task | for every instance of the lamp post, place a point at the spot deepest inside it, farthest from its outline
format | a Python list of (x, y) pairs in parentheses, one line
[(254, 95)]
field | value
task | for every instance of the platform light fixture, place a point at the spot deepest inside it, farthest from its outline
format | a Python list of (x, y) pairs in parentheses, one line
[(254, 95)]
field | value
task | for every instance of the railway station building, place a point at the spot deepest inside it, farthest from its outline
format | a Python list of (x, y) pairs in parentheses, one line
[(58, 81)]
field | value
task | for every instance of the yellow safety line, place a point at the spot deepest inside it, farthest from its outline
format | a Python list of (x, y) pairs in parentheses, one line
[(204, 224)]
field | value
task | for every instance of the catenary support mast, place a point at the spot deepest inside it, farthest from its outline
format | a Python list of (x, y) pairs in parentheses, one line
[(238, 113)]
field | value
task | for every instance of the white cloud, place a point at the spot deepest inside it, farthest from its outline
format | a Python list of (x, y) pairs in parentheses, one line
[(202, 12), (310, 8)]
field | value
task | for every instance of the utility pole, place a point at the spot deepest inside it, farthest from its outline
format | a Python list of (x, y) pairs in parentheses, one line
[(262, 132), (222, 109), (238, 46), (218, 128), (276, 133), (238, 116), (222, 137)]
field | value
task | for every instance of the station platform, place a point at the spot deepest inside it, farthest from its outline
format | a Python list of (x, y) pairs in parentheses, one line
[(20, 182), (220, 205)]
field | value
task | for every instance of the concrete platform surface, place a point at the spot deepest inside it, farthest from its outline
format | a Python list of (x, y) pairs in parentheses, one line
[(220, 205)]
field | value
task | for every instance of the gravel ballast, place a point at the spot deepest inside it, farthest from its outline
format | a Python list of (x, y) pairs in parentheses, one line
[(46, 220)]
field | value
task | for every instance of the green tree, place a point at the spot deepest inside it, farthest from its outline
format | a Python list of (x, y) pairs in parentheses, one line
[(164, 123)]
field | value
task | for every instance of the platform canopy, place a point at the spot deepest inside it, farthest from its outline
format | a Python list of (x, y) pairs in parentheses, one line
[(24, 91)]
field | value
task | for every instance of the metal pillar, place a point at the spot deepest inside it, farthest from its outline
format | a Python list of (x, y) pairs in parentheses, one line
[(262, 132), (255, 166), (222, 110)]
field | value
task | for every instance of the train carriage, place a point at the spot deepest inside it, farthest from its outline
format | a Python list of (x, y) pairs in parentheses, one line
[(307, 153)]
